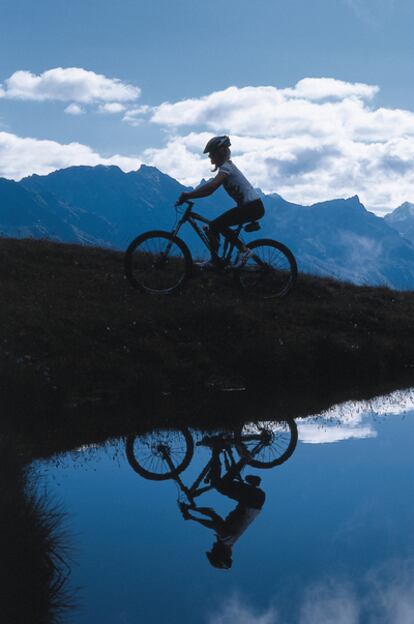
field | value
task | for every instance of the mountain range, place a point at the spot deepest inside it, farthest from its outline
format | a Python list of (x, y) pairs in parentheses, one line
[(106, 207)]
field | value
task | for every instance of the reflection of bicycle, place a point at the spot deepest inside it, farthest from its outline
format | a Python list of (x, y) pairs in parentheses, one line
[(164, 454), (159, 262)]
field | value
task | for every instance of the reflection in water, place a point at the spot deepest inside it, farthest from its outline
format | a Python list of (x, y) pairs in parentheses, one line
[(353, 419), (343, 534), (165, 454), (33, 570)]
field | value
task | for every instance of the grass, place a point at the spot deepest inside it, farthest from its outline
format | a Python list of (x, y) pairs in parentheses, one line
[(73, 331), (34, 570)]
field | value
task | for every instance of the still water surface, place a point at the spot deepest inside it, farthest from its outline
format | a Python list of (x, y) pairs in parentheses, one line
[(333, 542)]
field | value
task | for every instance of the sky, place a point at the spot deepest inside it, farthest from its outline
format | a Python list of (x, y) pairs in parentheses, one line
[(317, 97)]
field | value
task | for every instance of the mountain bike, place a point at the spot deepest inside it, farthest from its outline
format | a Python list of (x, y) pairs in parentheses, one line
[(164, 454), (159, 262)]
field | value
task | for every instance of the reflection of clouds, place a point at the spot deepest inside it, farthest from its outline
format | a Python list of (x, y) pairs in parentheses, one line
[(316, 434), (384, 595), (353, 419), (235, 610), (329, 604)]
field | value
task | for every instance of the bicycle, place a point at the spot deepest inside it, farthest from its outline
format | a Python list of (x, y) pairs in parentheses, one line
[(164, 454), (158, 262)]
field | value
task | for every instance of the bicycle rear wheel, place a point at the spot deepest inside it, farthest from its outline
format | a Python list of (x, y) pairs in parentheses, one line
[(157, 263), (271, 270), (267, 443), (159, 455)]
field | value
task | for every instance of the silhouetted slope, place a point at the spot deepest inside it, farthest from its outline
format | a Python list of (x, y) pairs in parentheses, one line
[(105, 206), (71, 326)]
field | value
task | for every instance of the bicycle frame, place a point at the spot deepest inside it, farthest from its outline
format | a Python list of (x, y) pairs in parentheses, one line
[(192, 218), (195, 490)]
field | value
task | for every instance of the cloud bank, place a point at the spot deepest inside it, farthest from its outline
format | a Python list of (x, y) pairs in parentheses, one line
[(381, 595), (320, 139), (21, 157), (323, 138), (353, 419)]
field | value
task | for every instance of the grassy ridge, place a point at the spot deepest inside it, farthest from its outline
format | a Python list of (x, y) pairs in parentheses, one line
[(72, 328)]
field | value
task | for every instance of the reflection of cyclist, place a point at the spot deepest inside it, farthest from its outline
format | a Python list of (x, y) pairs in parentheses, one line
[(249, 205), (250, 500)]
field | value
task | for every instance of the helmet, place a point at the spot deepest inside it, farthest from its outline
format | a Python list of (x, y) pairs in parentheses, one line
[(220, 556), (216, 143)]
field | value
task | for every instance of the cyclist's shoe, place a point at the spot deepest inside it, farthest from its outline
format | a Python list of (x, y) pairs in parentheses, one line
[(209, 265), (242, 258), (206, 265)]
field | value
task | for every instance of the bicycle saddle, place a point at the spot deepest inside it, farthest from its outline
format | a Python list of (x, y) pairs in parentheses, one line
[(252, 227)]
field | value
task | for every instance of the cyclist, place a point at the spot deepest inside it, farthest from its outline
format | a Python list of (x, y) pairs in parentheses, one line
[(250, 500), (249, 205)]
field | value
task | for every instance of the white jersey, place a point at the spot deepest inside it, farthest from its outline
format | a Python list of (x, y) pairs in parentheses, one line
[(236, 185)]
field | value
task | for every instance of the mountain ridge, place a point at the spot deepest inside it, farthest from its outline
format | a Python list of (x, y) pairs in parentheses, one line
[(104, 206)]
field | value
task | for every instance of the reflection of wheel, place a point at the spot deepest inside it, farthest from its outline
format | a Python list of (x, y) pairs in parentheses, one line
[(160, 454), (269, 443), (157, 263), (270, 271)]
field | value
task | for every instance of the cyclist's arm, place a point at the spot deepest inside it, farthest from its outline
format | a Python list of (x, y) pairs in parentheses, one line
[(207, 511), (211, 518), (211, 523), (208, 188)]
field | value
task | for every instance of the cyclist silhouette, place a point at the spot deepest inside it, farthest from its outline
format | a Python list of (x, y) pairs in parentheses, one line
[(250, 499), (249, 205)]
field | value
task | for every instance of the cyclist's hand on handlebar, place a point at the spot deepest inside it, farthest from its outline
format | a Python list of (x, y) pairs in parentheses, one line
[(181, 199)]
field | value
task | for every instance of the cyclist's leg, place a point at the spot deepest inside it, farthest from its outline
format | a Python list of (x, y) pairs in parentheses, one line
[(235, 216)]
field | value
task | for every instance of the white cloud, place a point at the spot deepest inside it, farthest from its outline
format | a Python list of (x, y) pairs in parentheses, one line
[(73, 84), (321, 88), (74, 109), (136, 116), (111, 108), (323, 138), (20, 156)]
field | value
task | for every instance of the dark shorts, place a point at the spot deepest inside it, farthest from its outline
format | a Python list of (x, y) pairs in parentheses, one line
[(240, 214), (246, 495)]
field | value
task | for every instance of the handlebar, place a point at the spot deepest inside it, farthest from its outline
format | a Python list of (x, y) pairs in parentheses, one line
[(189, 203)]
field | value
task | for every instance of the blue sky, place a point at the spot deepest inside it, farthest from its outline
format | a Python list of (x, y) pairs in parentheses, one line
[(315, 140)]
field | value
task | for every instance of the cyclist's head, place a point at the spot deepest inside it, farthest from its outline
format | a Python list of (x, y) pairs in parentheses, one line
[(218, 150), (220, 556)]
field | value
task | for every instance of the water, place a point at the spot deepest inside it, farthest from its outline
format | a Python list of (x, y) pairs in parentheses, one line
[(334, 541)]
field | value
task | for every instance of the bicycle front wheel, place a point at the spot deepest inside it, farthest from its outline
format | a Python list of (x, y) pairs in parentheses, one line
[(160, 455), (270, 271), (267, 443), (157, 263)]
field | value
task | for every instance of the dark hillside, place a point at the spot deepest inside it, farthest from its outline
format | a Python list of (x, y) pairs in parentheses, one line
[(73, 328)]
